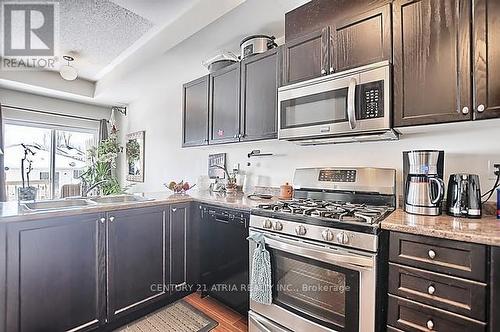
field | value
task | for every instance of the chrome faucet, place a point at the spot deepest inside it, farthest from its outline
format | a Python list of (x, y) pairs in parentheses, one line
[(86, 190)]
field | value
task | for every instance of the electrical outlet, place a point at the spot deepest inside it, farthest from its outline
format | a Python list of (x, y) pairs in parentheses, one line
[(236, 167), (493, 166)]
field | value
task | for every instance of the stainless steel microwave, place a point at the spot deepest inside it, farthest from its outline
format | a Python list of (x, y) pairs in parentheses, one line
[(349, 106)]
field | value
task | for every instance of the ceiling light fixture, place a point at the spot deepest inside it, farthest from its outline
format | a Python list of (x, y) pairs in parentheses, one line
[(68, 72)]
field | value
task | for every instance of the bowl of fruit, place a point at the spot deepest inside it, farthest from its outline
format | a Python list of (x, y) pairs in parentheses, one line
[(179, 187)]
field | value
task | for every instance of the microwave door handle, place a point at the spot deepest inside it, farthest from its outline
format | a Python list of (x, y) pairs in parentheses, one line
[(351, 103)]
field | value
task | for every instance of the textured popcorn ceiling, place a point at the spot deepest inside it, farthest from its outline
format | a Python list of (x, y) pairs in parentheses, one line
[(96, 31)]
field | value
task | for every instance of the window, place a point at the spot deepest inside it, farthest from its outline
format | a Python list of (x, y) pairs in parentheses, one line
[(59, 157)]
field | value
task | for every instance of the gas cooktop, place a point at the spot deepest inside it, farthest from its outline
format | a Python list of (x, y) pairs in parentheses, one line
[(327, 210)]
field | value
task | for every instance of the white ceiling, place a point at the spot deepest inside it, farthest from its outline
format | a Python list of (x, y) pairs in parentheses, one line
[(117, 42)]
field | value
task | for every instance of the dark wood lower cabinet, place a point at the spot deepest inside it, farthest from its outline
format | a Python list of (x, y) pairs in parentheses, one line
[(56, 274), (137, 261), (412, 316), (179, 214), (3, 269), (457, 295), (494, 308)]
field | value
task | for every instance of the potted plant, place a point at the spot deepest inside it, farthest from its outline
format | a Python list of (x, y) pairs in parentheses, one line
[(26, 192), (99, 175)]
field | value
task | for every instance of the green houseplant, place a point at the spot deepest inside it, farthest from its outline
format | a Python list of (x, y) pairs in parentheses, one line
[(102, 162)]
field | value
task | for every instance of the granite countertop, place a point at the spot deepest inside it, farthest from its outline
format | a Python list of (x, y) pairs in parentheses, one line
[(484, 231), (12, 212)]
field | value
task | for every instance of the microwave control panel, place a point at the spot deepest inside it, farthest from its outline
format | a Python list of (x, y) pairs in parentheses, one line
[(371, 100)]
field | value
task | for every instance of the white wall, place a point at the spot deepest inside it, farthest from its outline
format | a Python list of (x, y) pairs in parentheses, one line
[(468, 148), (158, 111)]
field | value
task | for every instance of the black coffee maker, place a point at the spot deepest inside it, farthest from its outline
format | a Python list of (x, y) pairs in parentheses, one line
[(464, 196)]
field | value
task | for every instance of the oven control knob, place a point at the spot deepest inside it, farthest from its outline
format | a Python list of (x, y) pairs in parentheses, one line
[(267, 224), (300, 230), (342, 238), (327, 235), (278, 226)]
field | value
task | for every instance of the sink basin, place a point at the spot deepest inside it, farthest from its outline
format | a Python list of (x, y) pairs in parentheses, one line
[(57, 204), (118, 199)]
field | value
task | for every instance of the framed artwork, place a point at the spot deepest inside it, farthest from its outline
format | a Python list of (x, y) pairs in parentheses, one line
[(134, 151)]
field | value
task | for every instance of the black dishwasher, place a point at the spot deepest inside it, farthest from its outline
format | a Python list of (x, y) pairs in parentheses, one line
[(224, 256)]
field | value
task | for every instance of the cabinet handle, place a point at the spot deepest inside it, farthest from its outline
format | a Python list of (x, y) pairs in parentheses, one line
[(481, 108), (102, 220), (111, 219), (430, 324), (432, 254), (431, 290), (323, 71), (465, 110)]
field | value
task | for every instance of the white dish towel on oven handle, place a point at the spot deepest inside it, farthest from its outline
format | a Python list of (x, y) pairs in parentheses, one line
[(260, 277)]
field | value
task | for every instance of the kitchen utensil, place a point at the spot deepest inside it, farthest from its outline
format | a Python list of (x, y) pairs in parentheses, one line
[(256, 44), (464, 196), (220, 61), (424, 187), (286, 191)]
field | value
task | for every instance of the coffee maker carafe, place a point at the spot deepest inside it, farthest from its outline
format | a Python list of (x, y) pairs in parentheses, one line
[(424, 186)]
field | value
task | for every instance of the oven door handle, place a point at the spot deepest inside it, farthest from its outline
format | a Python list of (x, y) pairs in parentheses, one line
[(351, 103), (302, 249)]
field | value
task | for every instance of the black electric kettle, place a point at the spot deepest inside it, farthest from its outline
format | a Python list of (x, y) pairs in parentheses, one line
[(464, 196)]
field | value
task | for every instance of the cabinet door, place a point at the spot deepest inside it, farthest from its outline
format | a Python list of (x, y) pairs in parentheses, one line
[(55, 274), (179, 214), (494, 324), (431, 61), (195, 112), (136, 258), (486, 59), (362, 39), (306, 57), (259, 94), (225, 105), (3, 289)]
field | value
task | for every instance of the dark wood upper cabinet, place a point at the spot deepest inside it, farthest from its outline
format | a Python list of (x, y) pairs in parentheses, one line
[(136, 258), (432, 81), (486, 32), (56, 274), (195, 112), (306, 57), (179, 214), (362, 39), (259, 96), (225, 105)]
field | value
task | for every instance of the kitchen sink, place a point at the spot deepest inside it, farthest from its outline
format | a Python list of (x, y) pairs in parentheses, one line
[(119, 199), (58, 204)]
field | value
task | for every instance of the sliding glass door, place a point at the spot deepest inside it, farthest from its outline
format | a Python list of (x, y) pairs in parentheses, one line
[(57, 154)]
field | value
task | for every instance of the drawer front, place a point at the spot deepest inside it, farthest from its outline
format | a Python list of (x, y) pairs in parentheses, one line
[(461, 259), (449, 293), (393, 329), (412, 316)]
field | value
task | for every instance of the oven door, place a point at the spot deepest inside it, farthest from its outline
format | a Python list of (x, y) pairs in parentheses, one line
[(317, 287), (346, 103)]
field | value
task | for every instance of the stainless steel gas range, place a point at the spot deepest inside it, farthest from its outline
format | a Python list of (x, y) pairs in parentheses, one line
[(325, 247)]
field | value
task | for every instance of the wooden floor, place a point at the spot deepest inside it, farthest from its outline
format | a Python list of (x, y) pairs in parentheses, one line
[(229, 320)]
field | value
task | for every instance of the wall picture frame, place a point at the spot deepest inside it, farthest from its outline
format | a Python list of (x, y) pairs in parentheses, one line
[(134, 152)]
